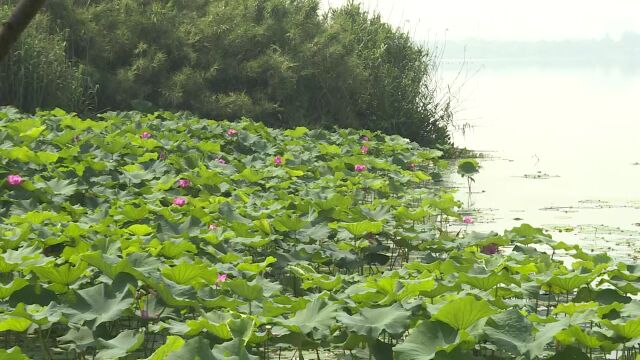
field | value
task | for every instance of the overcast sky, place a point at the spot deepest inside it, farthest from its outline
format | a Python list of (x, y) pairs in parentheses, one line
[(507, 19)]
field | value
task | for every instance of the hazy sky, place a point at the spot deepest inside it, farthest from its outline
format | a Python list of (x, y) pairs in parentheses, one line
[(507, 19)]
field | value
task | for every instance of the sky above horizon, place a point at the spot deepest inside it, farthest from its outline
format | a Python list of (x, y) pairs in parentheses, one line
[(506, 20)]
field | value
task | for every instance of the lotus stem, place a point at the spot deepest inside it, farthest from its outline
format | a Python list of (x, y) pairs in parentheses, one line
[(45, 348)]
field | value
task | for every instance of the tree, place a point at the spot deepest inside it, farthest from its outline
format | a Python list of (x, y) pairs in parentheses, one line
[(11, 29)]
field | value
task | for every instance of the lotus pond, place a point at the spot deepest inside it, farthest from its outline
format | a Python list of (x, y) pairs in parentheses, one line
[(163, 236)]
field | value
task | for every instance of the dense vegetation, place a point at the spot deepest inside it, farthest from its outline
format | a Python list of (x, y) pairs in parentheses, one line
[(279, 61), (164, 236)]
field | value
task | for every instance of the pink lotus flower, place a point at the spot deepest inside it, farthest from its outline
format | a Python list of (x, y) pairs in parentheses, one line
[(412, 166), (184, 183), (221, 278), (220, 161), (14, 180), (467, 220), (364, 138), (364, 149), (213, 226), (360, 168), (277, 160), (490, 249), (179, 201), (145, 135), (232, 132)]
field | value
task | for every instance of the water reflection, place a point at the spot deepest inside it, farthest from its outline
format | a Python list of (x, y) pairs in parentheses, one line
[(562, 143)]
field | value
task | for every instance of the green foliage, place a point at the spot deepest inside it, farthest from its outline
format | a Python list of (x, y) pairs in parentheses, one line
[(468, 167), (39, 71), (278, 61), (96, 262)]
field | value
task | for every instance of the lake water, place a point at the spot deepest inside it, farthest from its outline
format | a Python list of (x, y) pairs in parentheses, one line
[(563, 147)]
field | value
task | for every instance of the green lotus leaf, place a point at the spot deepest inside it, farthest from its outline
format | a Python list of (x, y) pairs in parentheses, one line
[(510, 331), (527, 234), (403, 213), (334, 201), (79, 124), (33, 294), (175, 248), (140, 229), (328, 149), (77, 339), (39, 217), (445, 202), (629, 329), (233, 350), (486, 282), (209, 147), (231, 216), (316, 233), (319, 315), (468, 167), (294, 173), (463, 312), (13, 286), (256, 268), (251, 175), (575, 334), (13, 354), (46, 157), (24, 125), (572, 308), (254, 242), (186, 273), (245, 289), (569, 282), (196, 348), (426, 340), (61, 187), (18, 324), (570, 353), (22, 154), (172, 344), (289, 223), (220, 330), (361, 228), (136, 176), (263, 225), (544, 336), (324, 282), (378, 213), (147, 156), (296, 133), (63, 275), (101, 303), (371, 322), (123, 344), (626, 287), (413, 288), (220, 301)]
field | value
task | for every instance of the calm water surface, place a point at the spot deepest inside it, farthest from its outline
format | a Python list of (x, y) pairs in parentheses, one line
[(562, 143)]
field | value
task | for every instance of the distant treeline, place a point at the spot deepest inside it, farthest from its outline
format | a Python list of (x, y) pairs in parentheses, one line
[(626, 49), (277, 61)]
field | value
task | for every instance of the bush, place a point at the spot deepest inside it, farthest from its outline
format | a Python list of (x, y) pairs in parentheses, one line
[(279, 61)]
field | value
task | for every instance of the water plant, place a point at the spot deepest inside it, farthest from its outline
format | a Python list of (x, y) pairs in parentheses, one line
[(467, 168), (95, 261)]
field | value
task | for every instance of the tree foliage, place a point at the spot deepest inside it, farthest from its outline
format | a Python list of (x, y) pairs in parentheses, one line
[(279, 61)]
